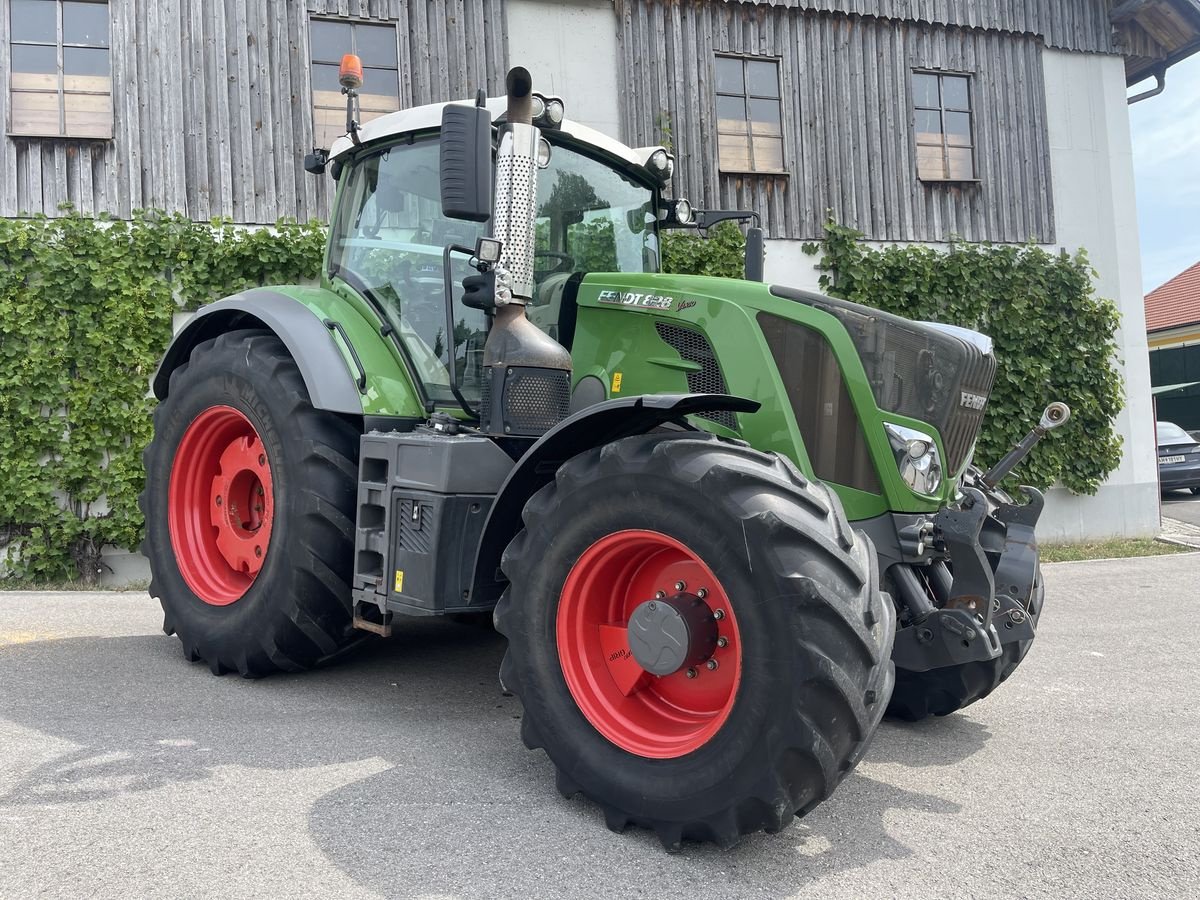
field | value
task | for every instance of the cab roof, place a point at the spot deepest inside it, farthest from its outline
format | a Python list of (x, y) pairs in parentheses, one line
[(428, 117)]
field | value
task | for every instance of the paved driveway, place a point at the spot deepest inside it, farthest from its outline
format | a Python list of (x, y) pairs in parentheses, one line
[(1182, 505), (125, 771)]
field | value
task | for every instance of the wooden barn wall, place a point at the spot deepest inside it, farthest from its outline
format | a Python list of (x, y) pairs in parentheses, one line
[(847, 120), (1063, 24), (213, 105)]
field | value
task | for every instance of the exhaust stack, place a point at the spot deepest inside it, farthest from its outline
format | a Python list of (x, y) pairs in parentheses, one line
[(527, 374)]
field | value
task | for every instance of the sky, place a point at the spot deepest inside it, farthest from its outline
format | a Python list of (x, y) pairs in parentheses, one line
[(1166, 163)]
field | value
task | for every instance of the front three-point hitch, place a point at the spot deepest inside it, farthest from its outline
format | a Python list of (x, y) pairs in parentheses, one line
[(982, 592)]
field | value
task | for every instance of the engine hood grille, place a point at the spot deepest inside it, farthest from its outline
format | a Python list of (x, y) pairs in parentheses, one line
[(919, 370)]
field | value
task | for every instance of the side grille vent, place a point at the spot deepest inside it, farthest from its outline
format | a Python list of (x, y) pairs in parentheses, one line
[(693, 347)]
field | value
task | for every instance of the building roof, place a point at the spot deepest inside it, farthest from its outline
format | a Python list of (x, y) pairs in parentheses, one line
[(1175, 303), (1155, 34)]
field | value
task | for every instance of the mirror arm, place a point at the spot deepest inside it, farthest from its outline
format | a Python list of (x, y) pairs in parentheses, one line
[(707, 218)]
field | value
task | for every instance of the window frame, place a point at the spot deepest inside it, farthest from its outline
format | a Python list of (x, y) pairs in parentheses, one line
[(60, 46), (313, 60), (746, 97), (941, 109)]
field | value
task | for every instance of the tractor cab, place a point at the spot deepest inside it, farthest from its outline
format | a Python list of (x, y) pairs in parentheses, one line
[(598, 208)]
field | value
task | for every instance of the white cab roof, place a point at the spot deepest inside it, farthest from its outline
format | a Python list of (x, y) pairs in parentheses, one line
[(424, 118)]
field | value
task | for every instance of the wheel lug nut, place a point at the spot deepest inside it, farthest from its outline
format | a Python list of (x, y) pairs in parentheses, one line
[(692, 673), (659, 595), (680, 585), (722, 641), (712, 665), (718, 614), (258, 552), (218, 500), (262, 459), (702, 593)]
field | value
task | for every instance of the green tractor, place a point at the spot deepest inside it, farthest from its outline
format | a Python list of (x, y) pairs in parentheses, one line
[(724, 526)]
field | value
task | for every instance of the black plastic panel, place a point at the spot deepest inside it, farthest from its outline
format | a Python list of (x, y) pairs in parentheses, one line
[(916, 371), (694, 347), (828, 421)]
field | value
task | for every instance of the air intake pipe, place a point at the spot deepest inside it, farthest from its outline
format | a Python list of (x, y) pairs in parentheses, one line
[(527, 374)]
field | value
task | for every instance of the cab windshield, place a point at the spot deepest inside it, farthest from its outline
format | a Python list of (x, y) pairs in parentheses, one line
[(390, 233)]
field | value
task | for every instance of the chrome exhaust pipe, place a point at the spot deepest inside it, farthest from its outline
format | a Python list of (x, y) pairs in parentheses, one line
[(527, 374)]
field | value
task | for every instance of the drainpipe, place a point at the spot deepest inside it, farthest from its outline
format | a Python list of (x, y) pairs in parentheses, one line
[(1161, 77)]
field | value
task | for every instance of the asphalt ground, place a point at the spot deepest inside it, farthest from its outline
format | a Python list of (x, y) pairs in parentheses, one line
[(1182, 505), (127, 772)]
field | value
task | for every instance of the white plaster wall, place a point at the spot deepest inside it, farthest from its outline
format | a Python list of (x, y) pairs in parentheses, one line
[(571, 49), (1094, 208), (1091, 158)]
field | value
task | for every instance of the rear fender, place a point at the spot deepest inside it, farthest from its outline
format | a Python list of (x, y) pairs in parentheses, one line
[(601, 423), (331, 386)]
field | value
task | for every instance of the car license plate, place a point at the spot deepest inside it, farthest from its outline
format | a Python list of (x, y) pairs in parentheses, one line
[(1167, 460)]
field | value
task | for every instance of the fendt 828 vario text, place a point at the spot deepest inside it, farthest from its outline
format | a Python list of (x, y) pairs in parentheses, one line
[(723, 525)]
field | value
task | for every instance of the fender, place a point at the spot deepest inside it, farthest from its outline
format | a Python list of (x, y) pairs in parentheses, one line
[(591, 427), (311, 344)]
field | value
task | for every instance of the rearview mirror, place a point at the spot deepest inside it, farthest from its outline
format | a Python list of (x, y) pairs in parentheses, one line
[(466, 163)]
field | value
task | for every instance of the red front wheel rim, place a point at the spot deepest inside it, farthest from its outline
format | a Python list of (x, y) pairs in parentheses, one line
[(659, 717), (220, 505)]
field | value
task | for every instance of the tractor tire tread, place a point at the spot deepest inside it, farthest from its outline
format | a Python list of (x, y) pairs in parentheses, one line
[(814, 554), (310, 624)]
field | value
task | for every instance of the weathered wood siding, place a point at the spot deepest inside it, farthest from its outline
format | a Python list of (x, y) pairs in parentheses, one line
[(213, 104), (1063, 24), (847, 119)]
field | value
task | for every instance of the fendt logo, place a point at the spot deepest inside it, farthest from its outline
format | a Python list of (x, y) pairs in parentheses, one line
[(642, 301), (973, 401)]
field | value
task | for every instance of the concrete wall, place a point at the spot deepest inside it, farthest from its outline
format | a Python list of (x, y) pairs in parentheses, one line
[(1095, 208), (571, 50)]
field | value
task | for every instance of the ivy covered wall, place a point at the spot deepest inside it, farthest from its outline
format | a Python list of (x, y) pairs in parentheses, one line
[(1054, 339), (86, 309)]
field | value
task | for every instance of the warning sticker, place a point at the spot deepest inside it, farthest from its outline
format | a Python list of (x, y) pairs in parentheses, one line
[(616, 382), (399, 580)]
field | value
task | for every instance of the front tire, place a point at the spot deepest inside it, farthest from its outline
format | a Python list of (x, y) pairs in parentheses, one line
[(767, 557), (249, 506), (940, 692)]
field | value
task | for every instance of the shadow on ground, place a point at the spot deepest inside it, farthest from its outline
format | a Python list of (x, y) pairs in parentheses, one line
[(461, 809)]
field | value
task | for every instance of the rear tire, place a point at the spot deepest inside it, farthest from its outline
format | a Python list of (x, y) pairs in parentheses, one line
[(285, 605), (807, 666)]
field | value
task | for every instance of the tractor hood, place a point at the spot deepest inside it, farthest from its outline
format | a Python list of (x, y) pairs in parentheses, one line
[(935, 373)]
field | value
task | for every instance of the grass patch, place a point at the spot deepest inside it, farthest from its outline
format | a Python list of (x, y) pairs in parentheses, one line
[(26, 584), (1114, 548)]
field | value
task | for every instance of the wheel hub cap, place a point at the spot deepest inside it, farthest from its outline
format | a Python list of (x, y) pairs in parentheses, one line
[(672, 633)]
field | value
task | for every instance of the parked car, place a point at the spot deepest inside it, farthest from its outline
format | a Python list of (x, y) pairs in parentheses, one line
[(1178, 458)]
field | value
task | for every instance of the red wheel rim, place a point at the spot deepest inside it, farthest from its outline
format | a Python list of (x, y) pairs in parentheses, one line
[(660, 717), (220, 505)]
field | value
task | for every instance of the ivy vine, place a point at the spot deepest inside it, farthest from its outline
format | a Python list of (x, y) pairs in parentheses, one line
[(1054, 339), (722, 254), (86, 309)]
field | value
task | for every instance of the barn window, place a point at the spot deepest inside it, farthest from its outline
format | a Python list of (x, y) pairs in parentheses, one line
[(60, 80), (945, 135), (749, 114), (375, 44)]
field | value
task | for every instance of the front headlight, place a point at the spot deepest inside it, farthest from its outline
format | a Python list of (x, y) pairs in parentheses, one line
[(916, 457)]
